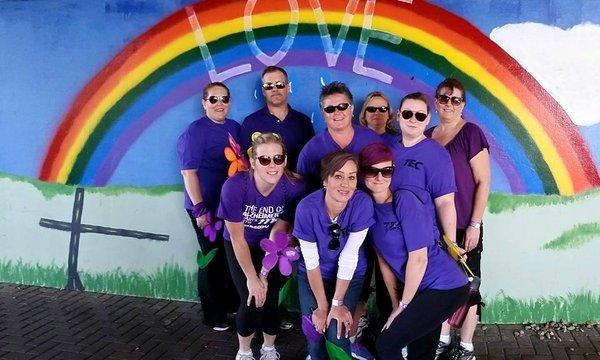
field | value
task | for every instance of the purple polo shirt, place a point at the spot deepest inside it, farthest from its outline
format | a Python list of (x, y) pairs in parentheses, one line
[(309, 161), (296, 129), (389, 138), (401, 227), (468, 142), (242, 202), (425, 165), (312, 224), (201, 147)]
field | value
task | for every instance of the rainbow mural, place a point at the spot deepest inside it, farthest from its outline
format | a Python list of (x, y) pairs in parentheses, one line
[(410, 46)]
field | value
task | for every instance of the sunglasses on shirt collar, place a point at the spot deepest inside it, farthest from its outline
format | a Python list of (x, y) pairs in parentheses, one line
[(278, 84), (265, 160), (335, 231), (340, 107), (407, 114), (213, 99)]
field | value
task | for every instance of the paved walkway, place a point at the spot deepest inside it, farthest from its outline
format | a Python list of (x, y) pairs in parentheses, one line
[(45, 323)]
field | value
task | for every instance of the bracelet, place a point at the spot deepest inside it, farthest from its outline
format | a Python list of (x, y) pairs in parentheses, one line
[(335, 302), (475, 224), (402, 305), (264, 272), (199, 209)]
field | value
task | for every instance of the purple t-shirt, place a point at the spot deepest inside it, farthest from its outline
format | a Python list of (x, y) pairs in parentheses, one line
[(425, 165), (389, 138), (201, 148), (401, 227), (312, 224), (468, 142), (242, 202), (296, 129), (309, 161)]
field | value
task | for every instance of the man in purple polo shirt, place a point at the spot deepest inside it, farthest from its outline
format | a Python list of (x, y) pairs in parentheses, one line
[(278, 116), (337, 105)]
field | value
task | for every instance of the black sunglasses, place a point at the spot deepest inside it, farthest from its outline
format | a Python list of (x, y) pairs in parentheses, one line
[(214, 99), (270, 86), (265, 160), (331, 108), (371, 172), (335, 231), (443, 99), (372, 109), (407, 114)]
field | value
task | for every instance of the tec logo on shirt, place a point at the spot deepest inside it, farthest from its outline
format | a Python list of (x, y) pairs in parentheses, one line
[(413, 163)]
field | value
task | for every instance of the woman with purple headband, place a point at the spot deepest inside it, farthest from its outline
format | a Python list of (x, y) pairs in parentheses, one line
[(424, 283)]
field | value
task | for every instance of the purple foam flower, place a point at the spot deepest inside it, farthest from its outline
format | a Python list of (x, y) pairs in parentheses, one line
[(308, 328), (277, 252), (212, 227)]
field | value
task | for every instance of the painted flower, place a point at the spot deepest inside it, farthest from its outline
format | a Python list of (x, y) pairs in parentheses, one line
[(233, 153), (277, 252), (212, 227)]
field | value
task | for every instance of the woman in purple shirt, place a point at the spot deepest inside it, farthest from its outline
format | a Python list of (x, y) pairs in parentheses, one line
[(469, 151), (376, 114), (331, 225), (433, 285), (204, 169), (255, 205)]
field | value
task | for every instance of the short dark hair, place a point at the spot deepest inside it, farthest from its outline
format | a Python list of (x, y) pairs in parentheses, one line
[(273, 68), (335, 87), (415, 96), (334, 161), (452, 83), (212, 85)]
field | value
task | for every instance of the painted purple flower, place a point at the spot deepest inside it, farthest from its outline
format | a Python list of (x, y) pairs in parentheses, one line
[(277, 251), (308, 328), (212, 227)]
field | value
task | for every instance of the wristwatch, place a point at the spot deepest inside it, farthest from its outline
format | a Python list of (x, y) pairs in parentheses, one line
[(475, 224), (336, 302)]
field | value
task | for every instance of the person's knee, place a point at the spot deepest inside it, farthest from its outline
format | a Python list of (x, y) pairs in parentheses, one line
[(385, 346)]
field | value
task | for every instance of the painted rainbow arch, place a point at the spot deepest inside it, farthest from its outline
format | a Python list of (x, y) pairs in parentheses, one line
[(411, 46)]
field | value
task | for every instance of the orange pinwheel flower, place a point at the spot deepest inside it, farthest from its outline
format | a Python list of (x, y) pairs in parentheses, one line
[(233, 154)]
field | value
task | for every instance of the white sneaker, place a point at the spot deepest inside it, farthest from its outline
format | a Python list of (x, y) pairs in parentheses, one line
[(271, 354), (240, 356)]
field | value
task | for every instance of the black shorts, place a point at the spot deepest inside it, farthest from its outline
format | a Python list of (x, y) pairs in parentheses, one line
[(473, 258)]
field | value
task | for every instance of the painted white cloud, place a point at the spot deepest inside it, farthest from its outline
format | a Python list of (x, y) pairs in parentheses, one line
[(565, 62)]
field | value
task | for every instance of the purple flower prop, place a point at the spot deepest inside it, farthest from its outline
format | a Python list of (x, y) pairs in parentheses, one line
[(211, 227), (277, 251), (308, 328)]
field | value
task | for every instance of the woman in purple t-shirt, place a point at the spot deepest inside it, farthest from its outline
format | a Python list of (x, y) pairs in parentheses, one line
[(469, 151), (331, 225), (424, 283), (255, 205), (376, 114)]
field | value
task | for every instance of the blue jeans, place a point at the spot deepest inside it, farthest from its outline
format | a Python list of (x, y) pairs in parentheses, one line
[(308, 303)]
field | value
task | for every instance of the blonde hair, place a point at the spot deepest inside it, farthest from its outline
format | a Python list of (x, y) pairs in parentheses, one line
[(389, 125), (259, 138)]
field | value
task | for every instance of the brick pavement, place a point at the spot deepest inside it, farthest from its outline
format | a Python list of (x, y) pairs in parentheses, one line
[(45, 323)]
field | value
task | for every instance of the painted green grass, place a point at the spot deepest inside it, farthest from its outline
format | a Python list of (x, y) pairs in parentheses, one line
[(572, 307), (575, 237), (502, 202), (168, 282)]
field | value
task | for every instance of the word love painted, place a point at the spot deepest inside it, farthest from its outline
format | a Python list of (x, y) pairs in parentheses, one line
[(331, 49)]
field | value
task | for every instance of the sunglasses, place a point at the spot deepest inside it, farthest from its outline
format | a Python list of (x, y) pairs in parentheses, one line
[(270, 86), (371, 172), (214, 99), (407, 114), (265, 160), (373, 109), (335, 231), (443, 99), (341, 107)]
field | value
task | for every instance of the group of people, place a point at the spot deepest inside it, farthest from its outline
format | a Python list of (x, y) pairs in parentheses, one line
[(364, 203)]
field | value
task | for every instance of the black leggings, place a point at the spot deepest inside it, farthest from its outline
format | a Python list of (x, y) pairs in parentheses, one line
[(249, 318), (419, 325)]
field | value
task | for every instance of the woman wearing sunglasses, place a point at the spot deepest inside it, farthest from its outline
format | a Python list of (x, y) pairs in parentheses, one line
[(469, 151), (432, 284), (255, 205), (331, 225), (204, 169), (336, 104), (376, 114), (421, 162)]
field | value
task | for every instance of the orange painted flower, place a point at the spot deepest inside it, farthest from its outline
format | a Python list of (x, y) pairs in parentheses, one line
[(233, 154)]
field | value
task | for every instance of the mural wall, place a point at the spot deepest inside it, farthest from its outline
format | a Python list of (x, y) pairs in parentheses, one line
[(95, 95)]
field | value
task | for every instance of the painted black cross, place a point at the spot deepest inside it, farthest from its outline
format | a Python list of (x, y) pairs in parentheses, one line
[(76, 228)]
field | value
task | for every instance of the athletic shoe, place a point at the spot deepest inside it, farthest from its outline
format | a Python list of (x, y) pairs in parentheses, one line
[(363, 323), (269, 354), (462, 354), (443, 350), (221, 326), (286, 324), (239, 356), (360, 352)]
